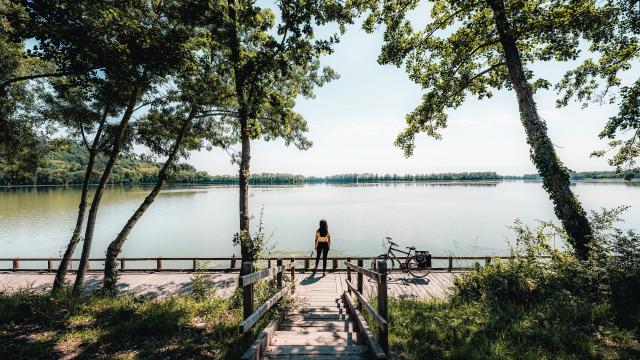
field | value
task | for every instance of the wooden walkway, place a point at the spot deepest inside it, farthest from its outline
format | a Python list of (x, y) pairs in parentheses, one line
[(321, 329), (436, 286)]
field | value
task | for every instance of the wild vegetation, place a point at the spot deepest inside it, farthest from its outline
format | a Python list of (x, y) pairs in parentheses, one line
[(65, 166), (532, 308), (195, 324), (173, 77)]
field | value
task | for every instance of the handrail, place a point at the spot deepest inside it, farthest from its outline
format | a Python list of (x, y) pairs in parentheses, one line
[(380, 321), (381, 315), (247, 281), (366, 272), (233, 262), (248, 323), (253, 277)]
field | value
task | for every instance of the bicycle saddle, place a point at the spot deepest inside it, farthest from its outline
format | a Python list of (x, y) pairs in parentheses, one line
[(411, 247)]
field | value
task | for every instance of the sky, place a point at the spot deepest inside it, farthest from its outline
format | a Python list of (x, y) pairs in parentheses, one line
[(353, 122)]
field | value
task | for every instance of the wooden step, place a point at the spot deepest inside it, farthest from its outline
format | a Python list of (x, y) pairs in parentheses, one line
[(333, 338), (317, 357), (320, 307), (324, 317), (316, 350), (323, 311), (344, 325), (316, 329), (323, 301)]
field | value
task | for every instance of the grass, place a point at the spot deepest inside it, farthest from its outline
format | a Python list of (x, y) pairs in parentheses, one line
[(476, 330), (190, 325), (530, 308)]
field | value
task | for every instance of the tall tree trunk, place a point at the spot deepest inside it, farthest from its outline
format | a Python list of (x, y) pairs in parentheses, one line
[(97, 197), (115, 247), (243, 117), (555, 176), (243, 176), (58, 283)]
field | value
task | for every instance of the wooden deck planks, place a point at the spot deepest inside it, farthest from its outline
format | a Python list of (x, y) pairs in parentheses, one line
[(436, 286), (321, 328)]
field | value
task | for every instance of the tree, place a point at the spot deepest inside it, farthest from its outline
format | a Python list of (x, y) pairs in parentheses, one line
[(22, 136), (134, 46), (596, 79), (270, 66), (477, 47), (81, 110), (184, 117)]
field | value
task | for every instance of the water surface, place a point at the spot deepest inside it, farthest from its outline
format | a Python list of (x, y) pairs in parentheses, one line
[(445, 218)]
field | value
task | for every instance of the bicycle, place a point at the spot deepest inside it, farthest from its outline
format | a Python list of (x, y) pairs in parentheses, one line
[(414, 263)]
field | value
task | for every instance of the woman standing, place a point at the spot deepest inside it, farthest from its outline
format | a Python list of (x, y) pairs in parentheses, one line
[(322, 243)]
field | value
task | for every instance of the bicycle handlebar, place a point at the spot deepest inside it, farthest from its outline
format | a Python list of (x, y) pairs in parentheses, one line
[(390, 241)]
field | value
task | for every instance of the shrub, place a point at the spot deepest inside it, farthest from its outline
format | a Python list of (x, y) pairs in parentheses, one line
[(545, 303)]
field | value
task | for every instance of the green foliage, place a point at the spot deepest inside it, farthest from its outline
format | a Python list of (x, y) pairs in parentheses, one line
[(597, 78), (532, 307), (65, 165), (466, 176), (22, 135), (122, 326), (459, 51), (256, 245), (201, 285), (584, 175)]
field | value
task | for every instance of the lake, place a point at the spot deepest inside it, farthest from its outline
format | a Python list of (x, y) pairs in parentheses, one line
[(445, 218)]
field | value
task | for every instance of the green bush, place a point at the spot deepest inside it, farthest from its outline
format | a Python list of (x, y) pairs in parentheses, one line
[(545, 303)]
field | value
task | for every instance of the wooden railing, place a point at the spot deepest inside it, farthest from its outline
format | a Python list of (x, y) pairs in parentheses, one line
[(176, 264), (380, 348), (247, 282)]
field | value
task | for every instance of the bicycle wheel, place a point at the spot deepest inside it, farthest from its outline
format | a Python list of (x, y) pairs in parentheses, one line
[(382, 257), (415, 270)]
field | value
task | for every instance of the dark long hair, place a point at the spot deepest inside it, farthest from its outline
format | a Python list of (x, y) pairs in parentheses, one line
[(323, 230)]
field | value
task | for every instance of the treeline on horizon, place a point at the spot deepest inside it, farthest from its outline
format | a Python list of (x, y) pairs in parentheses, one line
[(65, 166)]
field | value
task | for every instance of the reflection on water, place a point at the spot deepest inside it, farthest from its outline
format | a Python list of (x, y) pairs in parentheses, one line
[(457, 218)]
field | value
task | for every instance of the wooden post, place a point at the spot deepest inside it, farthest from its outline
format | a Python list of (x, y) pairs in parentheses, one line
[(16, 264), (279, 275), (293, 271), (349, 273), (335, 264), (450, 263), (247, 291), (49, 264), (383, 334), (487, 260), (195, 264), (121, 264), (359, 282), (159, 264), (233, 262), (306, 264), (269, 263)]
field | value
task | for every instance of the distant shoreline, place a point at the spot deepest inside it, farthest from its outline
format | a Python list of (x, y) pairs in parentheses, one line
[(478, 181)]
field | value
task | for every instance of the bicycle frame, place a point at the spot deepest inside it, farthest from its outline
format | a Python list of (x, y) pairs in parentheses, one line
[(391, 254)]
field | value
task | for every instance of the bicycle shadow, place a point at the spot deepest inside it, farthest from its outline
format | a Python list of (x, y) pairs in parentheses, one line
[(409, 280), (310, 279), (416, 281)]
